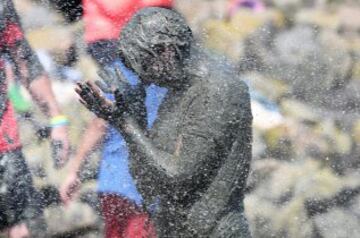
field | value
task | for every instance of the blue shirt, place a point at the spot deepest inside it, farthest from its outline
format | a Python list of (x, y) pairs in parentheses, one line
[(114, 175)]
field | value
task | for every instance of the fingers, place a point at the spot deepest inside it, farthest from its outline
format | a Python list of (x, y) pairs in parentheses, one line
[(87, 98), (91, 98), (84, 92), (99, 98), (95, 89), (119, 98), (82, 102), (88, 95)]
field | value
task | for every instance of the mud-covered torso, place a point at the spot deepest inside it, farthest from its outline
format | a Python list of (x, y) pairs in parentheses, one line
[(168, 134), (191, 108)]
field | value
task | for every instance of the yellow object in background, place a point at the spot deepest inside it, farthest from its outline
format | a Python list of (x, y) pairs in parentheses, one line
[(226, 36)]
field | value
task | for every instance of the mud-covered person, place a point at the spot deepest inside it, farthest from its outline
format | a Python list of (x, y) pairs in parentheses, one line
[(195, 160)]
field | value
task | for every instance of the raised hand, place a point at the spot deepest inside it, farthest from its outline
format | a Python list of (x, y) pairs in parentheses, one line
[(91, 98)]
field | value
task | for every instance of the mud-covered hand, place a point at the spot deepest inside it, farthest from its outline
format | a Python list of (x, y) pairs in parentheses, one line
[(132, 94), (92, 99)]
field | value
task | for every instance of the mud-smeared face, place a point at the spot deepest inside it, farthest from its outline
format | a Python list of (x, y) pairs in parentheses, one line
[(155, 44), (164, 67)]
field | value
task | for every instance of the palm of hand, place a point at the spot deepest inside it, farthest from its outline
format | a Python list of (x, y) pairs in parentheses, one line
[(91, 98)]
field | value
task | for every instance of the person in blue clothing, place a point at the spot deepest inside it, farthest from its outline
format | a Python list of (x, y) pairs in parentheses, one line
[(121, 203)]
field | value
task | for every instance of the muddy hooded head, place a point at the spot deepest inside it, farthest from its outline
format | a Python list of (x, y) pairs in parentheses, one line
[(156, 45)]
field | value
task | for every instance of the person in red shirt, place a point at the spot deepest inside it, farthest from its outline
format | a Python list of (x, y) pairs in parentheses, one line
[(17, 194), (104, 19)]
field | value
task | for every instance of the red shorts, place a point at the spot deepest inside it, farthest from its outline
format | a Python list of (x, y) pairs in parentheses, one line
[(124, 219)]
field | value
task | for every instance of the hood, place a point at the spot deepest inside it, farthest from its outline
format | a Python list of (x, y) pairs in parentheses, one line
[(155, 44)]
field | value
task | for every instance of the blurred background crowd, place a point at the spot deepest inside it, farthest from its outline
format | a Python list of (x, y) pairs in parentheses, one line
[(301, 59)]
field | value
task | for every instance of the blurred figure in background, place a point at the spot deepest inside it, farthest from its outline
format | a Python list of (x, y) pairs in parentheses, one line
[(18, 196), (121, 203)]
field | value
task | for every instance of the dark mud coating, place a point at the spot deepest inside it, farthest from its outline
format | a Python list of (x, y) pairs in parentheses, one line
[(194, 162), (196, 158)]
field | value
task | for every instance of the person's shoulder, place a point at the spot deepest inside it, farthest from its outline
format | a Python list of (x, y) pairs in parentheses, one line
[(223, 75), (217, 74)]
